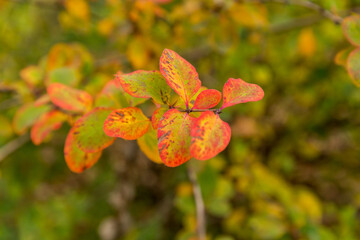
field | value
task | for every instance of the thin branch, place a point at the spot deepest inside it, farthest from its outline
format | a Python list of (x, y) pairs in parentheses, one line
[(12, 146), (199, 202), (304, 3), (215, 110)]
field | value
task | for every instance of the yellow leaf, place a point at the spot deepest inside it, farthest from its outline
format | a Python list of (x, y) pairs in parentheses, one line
[(105, 26), (251, 15), (307, 43), (78, 9)]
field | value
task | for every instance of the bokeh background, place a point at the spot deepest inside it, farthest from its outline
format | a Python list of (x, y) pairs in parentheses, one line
[(291, 170)]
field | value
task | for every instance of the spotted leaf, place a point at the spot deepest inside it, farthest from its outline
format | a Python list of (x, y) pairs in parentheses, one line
[(238, 91), (69, 98), (128, 123), (207, 99), (76, 159), (46, 124), (157, 115), (179, 74), (88, 131), (146, 84), (209, 136), (174, 137)]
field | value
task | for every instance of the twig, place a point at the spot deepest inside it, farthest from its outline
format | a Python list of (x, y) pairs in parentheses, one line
[(215, 110), (304, 3), (199, 202), (12, 146)]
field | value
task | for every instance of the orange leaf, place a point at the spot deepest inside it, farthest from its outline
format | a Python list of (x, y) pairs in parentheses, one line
[(180, 75), (238, 91), (48, 122), (128, 123), (209, 136), (69, 98), (76, 159), (174, 137), (207, 99)]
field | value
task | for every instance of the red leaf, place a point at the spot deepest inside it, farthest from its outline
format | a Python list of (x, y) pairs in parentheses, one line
[(46, 124), (180, 75), (238, 91), (76, 159), (207, 99), (209, 136), (174, 137), (128, 123), (69, 98)]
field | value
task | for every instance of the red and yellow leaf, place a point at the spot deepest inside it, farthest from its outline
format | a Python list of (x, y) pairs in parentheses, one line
[(46, 124), (207, 99), (353, 66), (129, 123), (238, 91), (77, 160), (351, 29), (209, 136), (157, 115), (146, 84), (148, 145), (174, 137), (69, 98), (179, 74), (27, 115), (88, 131)]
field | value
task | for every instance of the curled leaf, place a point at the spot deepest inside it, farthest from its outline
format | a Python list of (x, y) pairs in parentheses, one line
[(88, 131), (207, 99), (128, 123), (69, 98), (209, 136), (148, 145), (174, 137), (46, 124), (238, 91), (341, 57), (179, 74), (76, 159)]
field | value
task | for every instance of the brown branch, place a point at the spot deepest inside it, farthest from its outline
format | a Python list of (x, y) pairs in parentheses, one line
[(199, 202), (215, 110), (304, 3), (12, 146)]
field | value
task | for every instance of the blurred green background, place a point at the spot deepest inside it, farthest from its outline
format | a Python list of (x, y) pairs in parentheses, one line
[(291, 170)]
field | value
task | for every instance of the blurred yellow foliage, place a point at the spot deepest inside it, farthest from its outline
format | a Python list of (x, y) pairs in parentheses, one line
[(307, 43)]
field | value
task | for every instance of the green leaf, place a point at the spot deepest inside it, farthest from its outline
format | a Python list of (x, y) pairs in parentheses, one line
[(88, 131), (353, 66), (351, 29)]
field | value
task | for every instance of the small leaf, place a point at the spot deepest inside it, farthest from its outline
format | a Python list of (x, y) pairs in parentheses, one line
[(32, 75), (88, 131), (69, 98), (157, 115), (353, 66), (148, 145), (207, 99), (341, 57), (48, 122), (238, 91), (146, 84), (42, 100), (181, 103), (179, 74), (351, 29), (209, 136), (174, 137), (76, 159), (27, 115), (128, 123)]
